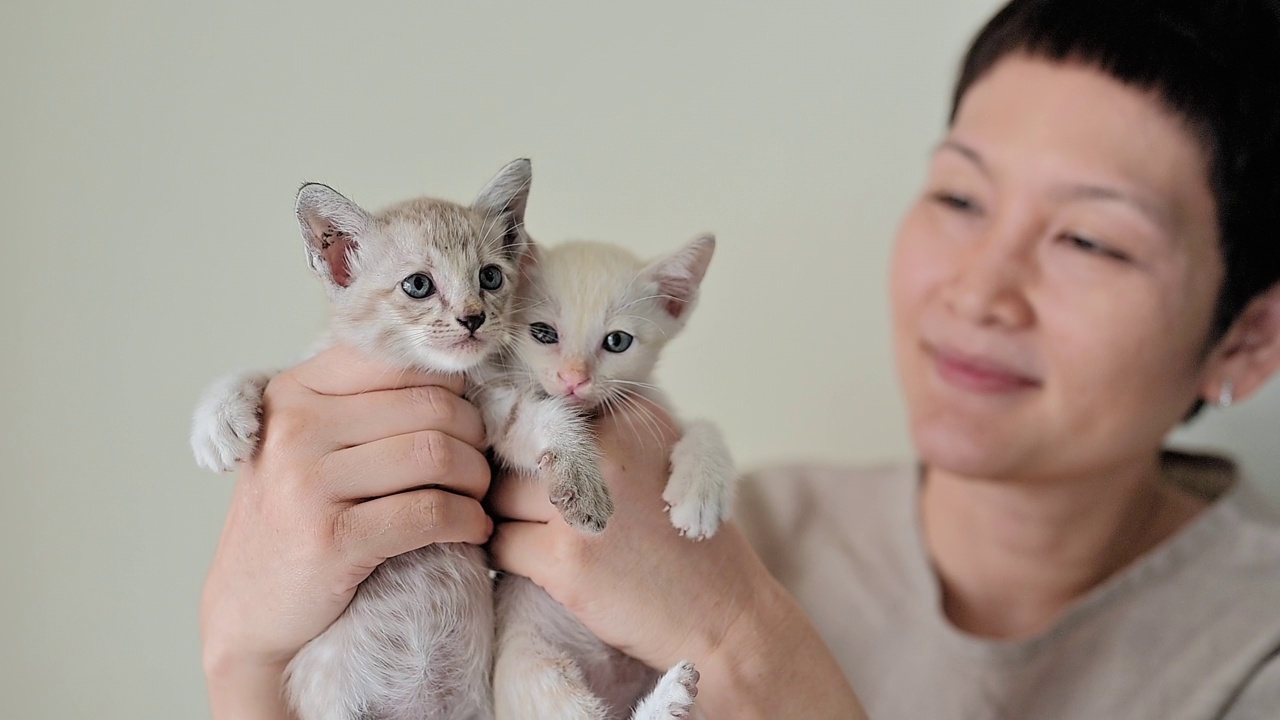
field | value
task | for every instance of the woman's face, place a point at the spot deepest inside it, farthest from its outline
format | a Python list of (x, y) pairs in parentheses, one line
[(1053, 287)]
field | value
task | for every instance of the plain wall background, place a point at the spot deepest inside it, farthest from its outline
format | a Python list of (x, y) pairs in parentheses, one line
[(149, 152)]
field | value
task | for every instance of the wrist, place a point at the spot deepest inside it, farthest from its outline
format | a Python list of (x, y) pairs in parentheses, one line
[(772, 663), (245, 689)]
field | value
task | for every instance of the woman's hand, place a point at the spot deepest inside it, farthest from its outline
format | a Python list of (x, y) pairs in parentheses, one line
[(358, 463), (660, 597)]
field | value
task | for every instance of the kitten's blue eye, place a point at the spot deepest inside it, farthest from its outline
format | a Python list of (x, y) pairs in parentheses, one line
[(617, 341), (544, 333), (417, 286), (490, 277)]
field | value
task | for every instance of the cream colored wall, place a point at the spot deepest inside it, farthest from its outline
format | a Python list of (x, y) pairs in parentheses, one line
[(149, 152)]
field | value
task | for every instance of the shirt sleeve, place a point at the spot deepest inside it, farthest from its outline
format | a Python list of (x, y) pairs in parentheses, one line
[(1260, 698)]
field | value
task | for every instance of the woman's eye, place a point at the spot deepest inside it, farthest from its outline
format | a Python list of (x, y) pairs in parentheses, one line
[(544, 333), (417, 286), (954, 201), (1093, 248), (617, 341), (490, 277)]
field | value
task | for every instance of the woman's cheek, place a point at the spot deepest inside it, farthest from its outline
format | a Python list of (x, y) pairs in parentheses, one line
[(922, 261)]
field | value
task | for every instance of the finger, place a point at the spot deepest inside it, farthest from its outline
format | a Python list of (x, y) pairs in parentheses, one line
[(385, 527), (517, 496), (524, 548), (403, 462), (343, 370), (380, 414)]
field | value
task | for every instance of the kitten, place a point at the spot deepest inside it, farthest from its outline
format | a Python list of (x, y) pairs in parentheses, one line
[(598, 318), (428, 284)]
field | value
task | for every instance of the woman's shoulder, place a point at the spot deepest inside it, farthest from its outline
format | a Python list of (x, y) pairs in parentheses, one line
[(802, 494), (1250, 520), (799, 518)]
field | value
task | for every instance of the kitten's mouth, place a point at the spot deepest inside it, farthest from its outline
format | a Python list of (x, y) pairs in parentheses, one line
[(582, 402)]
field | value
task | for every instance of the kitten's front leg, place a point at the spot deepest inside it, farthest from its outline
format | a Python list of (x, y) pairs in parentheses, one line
[(225, 428), (571, 463), (700, 491), (550, 437)]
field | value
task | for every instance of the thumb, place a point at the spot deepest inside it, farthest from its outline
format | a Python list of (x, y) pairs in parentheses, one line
[(528, 549)]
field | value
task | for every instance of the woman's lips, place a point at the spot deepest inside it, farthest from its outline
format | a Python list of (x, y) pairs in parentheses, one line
[(978, 374)]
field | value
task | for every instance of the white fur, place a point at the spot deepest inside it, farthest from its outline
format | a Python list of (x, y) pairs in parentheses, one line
[(548, 437), (548, 664), (410, 646), (673, 695), (227, 420), (700, 491)]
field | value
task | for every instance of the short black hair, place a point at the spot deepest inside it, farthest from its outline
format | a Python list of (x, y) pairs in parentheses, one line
[(1214, 63)]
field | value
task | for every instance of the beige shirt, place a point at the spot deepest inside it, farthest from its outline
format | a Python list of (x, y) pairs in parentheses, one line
[(1191, 631)]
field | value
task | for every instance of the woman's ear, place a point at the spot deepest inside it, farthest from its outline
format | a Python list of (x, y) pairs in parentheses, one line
[(1249, 354)]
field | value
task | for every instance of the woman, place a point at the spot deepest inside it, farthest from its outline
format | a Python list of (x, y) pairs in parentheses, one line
[(1092, 258)]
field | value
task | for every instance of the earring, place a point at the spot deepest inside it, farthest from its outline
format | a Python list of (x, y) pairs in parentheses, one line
[(1226, 395)]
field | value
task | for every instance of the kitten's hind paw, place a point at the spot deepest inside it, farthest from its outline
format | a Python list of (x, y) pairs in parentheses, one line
[(225, 429), (672, 697), (578, 491)]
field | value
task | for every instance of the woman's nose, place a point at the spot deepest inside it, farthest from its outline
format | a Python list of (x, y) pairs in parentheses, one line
[(990, 281)]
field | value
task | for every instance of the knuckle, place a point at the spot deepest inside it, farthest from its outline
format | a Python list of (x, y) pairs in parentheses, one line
[(431, 449), (438, 403), (343, 528), (286, 426), (324, 540), (345, 536), (280, 387), (434, 511)]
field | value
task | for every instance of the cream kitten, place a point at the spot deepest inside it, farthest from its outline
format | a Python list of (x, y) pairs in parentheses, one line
[(598, 319), (427, 284)]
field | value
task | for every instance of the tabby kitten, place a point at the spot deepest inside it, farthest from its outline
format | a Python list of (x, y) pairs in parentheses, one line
[(427, 284)]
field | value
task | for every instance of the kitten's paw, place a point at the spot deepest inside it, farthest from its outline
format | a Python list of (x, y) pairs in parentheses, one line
[(699, 493), (578, 491), (225, 429), (673, 696), (694, 517)]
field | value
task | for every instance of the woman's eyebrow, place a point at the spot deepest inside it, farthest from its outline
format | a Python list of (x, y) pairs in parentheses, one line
[(1154, 211), (969, 153)]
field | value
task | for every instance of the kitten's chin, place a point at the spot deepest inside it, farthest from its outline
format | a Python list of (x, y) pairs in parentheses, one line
[(456, 359), (584, 403)]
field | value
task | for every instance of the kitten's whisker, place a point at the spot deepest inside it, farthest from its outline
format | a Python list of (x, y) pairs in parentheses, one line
[(655, 325), (649, 386), (626, 416), (647, 297), (488, 228), (651, 421), (645, 416)]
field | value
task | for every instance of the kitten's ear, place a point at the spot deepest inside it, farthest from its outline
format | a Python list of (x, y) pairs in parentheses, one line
[(332, 226), (504, 199), (679, 274)]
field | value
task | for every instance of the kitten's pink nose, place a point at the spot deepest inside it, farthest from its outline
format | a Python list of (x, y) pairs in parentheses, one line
[(573, 378)]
